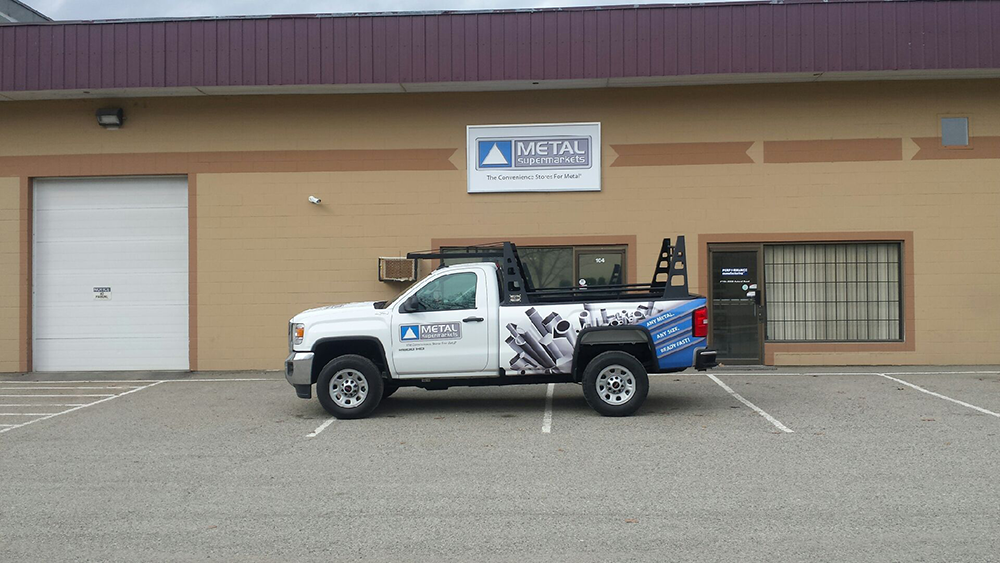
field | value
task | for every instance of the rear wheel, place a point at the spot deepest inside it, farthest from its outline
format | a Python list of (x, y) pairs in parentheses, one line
[(615, 384), (349, 387)]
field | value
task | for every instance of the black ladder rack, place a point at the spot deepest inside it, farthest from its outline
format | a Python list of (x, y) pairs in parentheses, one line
[(670, 279)]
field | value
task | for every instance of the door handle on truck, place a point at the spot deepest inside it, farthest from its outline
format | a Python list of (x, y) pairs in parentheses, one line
[(473, 320)]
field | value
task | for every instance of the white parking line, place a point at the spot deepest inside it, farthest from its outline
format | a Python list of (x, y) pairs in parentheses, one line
[(812, 373), (67, 411), (221, 380), (59, 382), (940, 396), (61, 395), (321, 428), (68, 388), (140, 381), (755, 408), (42, 404), (547, 417)]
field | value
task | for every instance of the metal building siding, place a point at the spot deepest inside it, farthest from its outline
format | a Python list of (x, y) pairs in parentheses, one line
[(539, 45)]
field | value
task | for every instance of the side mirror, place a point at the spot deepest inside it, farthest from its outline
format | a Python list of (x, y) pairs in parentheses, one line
[(410, 305)]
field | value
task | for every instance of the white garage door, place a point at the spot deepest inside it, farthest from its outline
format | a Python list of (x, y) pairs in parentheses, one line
[(110, 274)]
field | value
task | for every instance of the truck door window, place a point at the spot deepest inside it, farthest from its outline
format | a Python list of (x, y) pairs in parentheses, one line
[(453, 292)]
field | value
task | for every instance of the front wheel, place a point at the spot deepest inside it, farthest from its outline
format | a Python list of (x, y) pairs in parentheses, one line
[(349, 387), (615, 384)]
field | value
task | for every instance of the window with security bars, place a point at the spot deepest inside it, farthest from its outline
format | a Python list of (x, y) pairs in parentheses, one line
[(833, 292)]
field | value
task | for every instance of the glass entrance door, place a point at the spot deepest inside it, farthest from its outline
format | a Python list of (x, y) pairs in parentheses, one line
[(736, 317)]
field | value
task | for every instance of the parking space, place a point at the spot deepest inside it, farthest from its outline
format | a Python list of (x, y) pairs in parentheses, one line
[(233, 467), (24, 403)]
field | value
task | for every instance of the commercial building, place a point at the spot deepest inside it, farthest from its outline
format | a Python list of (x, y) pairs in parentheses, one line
[(155, 176)]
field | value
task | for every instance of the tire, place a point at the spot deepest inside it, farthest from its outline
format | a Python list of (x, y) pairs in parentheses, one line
[(388, 389), (609, 370), (349, 387)]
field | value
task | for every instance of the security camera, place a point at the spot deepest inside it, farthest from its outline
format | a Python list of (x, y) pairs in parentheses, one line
[(314, 199)]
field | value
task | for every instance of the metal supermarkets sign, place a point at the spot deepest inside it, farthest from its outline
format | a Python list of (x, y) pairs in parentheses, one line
[(546, 157)]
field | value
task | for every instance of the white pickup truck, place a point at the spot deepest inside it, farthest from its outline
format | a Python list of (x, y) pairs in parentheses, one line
[(484, 324)]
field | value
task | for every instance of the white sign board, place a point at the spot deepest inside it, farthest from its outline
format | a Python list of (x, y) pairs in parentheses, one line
[(545, 157), (102, 294)]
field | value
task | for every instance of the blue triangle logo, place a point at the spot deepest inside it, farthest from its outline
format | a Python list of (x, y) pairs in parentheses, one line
[(409, 332), (495, 154)]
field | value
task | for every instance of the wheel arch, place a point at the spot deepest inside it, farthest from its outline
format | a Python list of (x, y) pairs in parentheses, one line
[(326, 349), (631, 339)]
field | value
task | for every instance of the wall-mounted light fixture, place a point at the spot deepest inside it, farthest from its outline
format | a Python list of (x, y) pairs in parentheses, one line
[(110, 118), (315, 200)]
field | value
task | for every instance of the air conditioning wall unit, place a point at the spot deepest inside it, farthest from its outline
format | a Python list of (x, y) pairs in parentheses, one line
[(396, 269)]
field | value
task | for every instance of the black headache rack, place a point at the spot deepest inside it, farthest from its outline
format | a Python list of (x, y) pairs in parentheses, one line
[(670, 279)]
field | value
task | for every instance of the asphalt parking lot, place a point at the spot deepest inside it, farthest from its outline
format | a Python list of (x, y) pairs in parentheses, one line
[(788, 465)]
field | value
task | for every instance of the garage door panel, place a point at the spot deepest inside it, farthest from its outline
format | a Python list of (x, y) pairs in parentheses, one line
[(66, 289), (114, 321), (105, 193), (108, 224), (126, 234), (125, 256), (68, 354)]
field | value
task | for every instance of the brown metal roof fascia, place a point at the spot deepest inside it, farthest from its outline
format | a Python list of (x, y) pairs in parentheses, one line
[(633, 42)]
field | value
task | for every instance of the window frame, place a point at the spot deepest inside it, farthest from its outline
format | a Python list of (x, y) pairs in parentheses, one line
[(440, 279), (940, 131)]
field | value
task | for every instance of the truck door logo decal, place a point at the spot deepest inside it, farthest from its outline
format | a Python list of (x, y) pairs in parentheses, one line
[(409, 332), (435, 331)]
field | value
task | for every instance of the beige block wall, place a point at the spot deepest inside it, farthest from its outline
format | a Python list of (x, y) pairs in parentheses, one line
[(10, 274), (264, 253), (260, 264)]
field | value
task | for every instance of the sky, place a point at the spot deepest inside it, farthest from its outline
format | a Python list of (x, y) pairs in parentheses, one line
[(117, 9)]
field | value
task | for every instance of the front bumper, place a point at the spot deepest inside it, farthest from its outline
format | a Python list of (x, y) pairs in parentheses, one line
[(705, 360), (298, 368)]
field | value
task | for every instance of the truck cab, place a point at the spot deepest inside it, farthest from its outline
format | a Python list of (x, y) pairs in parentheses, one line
[(484, 324)]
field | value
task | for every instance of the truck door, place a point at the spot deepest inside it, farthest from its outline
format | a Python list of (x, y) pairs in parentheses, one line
[(442, 328)]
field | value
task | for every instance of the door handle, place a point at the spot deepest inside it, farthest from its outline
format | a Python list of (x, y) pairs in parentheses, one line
[(473, 320)]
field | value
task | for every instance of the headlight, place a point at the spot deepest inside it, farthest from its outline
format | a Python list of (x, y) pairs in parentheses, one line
[(297, 332)]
